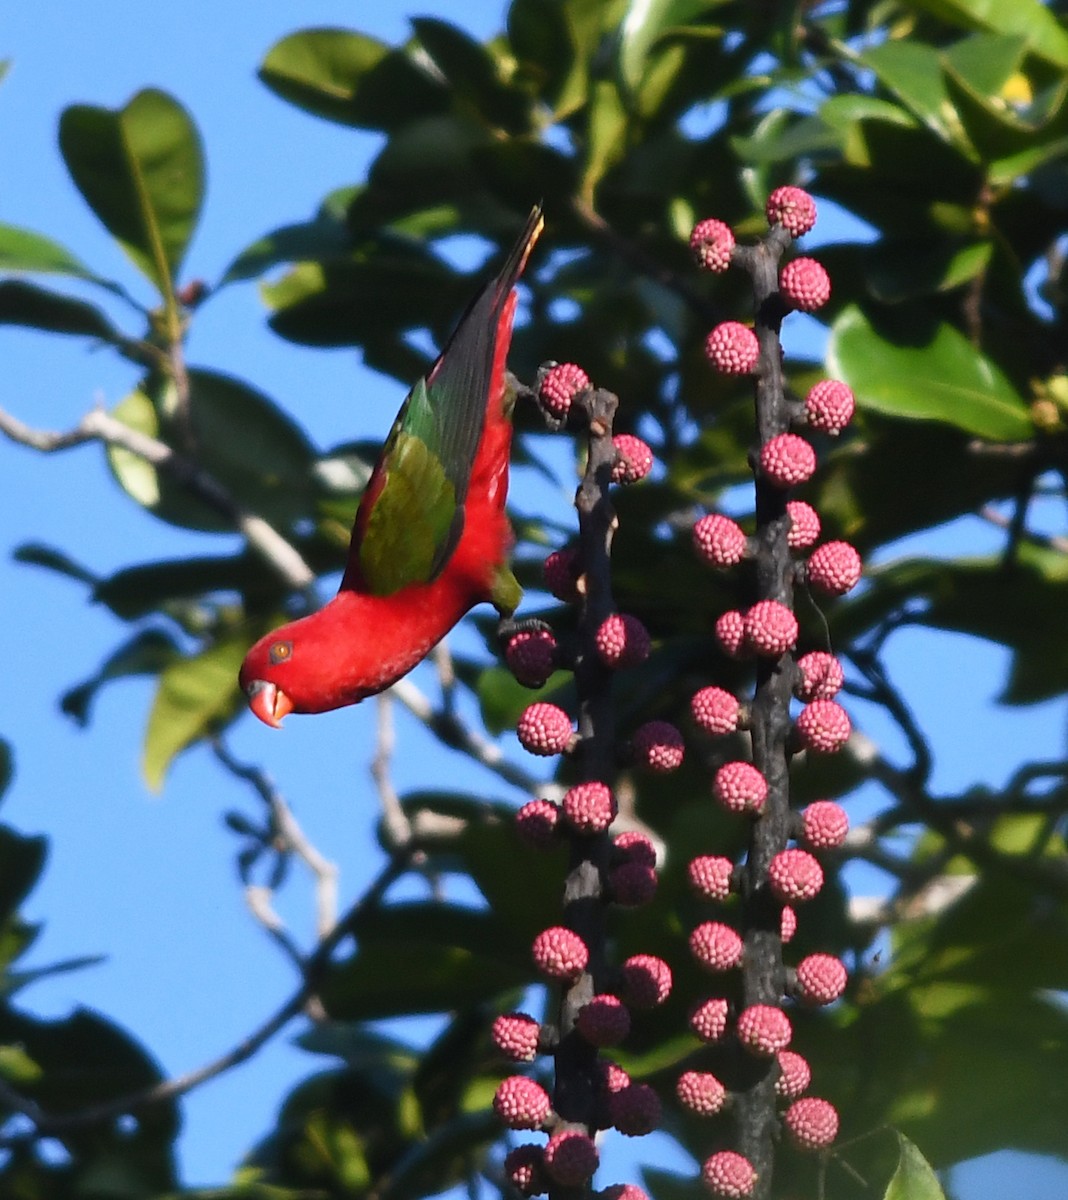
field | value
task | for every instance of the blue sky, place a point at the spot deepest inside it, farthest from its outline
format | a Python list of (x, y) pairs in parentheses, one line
[(148, 880)]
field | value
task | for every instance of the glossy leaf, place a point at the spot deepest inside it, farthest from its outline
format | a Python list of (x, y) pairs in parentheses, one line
[(898, 270), (26, 250), (644, 24), (914, 1177), (913, 72), (28, 304), (1031, 19), (325, 237)]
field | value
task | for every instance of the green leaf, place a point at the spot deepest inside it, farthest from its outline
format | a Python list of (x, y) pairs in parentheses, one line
[(27, 304), (914, 1178), (7, 766), (14, 981), (324, 238), (22, 860), (901, 270), (913, 72), (986, 61), (146, 653), (25, 250), (1031, 19), (5, 66), (39, 555), (931, 374), (644, 25), (141, 170)]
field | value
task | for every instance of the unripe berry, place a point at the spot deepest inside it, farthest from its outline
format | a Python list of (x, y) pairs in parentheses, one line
[(792, 208), (632, 884), (709, 1019), (822, 676), (712, 243), (536, 823), (729, 1174), (658, 746), (740, 787), (646, 981), (561, 572), (804, 284), (794, 876), (521, 1103), (603, 1020), (716, 946), (764, 1030), (821, 979), (812, 1123), (824, 825), (804, 525), (719, 540), (570, 1157), (523, 1167), (794, 1075), (634, 459), (710, 876), (730, 631), (544, 729), (833, 568), (560, 953), (560, 386), (830, 405), (634, 1110), (632, 846), (622, 641), (701, 1092), (770, 628), (589, 807), (732, 348), (787, 924), (823, 726), (529, 656), (516, 1036), (715, 710), (787, 459)]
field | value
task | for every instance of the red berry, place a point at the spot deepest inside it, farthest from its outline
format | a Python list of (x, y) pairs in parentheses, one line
[(812, 1123), (603, 1020), (646, 981), (787, 924), (622, 641), (732, 348), (632, 846), (830, 405), (715, 710), (536, 823), (729, 1174), (622, 1191), (710, 876), (712, 243), (794, 876), (716, 946), (544, 729), (794, 1075), (560, 386), (824, 825), (709, 1019), (719, 540), (700, 1092), (529, 656), (804, 525), (740, 787), (658, 746), (823, 726), (560, 953), (804, 284), (571, 1157), (632, 884), (822, 676), (770, 628), (764, 1029), (561, 572), (634, 459), (730, 631), (634, 1110), (516, 1036), (521, 1103), (523, 1167), (792, 208), (821, 979), (834, 568), (589, 807), (787, 459), (614, 1078)]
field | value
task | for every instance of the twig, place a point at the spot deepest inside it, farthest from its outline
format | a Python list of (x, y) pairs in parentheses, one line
[(397, 826), (1049, 541)]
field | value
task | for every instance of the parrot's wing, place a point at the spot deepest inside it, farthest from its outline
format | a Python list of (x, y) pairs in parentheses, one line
[(412, 513)]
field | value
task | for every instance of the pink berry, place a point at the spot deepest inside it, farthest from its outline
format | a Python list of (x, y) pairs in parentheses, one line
[(770, 628), (830, 405), (824, 825), (521, 1103), (719, 540), (787, 924), (635, 1110), (613, 1077), (560, 953), (821, 979), (632, 884), (727, 1173), (646, 981), (822, 676), (634, 459), (787, 459), (715, 710), (516, 1036), (529, 656), (561, 571), (658, 746), (712, 243), (732, 348), (794, 1075), (794, 876), (603, 1020), (544, 729), (571, 1157), (823, 726), (740, 787), (560, 386), (792, 208), (717, 947), (812, 1123), (622, 641), (524, 1168), (764, 1029), (804, 284), (589, 807), (700, 1092), (709, 1019), (622, 1191), (536, 823), (710, 876), (632, 846), (804, 525), (834, 568), (730, 631)]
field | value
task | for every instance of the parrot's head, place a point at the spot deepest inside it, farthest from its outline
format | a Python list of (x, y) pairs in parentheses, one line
[(268, 666)]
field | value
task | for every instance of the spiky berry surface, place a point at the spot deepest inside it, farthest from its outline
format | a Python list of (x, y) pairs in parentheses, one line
[(719, 540), (529, 656), (821, 674), (763, 1029), (804, 525), (622, 641), (712, 243), (830, 405), (570, 1157), (834, 568), (613, 1077), (634, 458), (544, 729), (786, 460), (710, 876), (730, 632), (701, 1092), (645, 981), (821, 979), (794, 876), (715, 710), (730, 1174), (633, 846), (740, 787), (603, 1020), (635, 1110), (717, 947), (812, 1123), (824, 825), (658, 746), (560, 386), (770, 628), (536, 823), (804, 284), (560, 571), (521, 1103), (792, 208), (516, 1036), (622, 1191), (560, 953), (823, 726), (709, 1019), (794, 1075), (632, 884), (589, 807), (787, 924), (732, 348), (523, 1166)]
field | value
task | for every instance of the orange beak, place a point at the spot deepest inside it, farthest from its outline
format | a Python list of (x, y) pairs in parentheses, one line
[(268, 702)]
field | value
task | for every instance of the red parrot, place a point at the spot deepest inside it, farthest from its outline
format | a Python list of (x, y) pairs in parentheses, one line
[(431, 538)]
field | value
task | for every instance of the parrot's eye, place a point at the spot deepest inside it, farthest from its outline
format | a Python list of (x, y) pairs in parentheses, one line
[(281, 651)]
